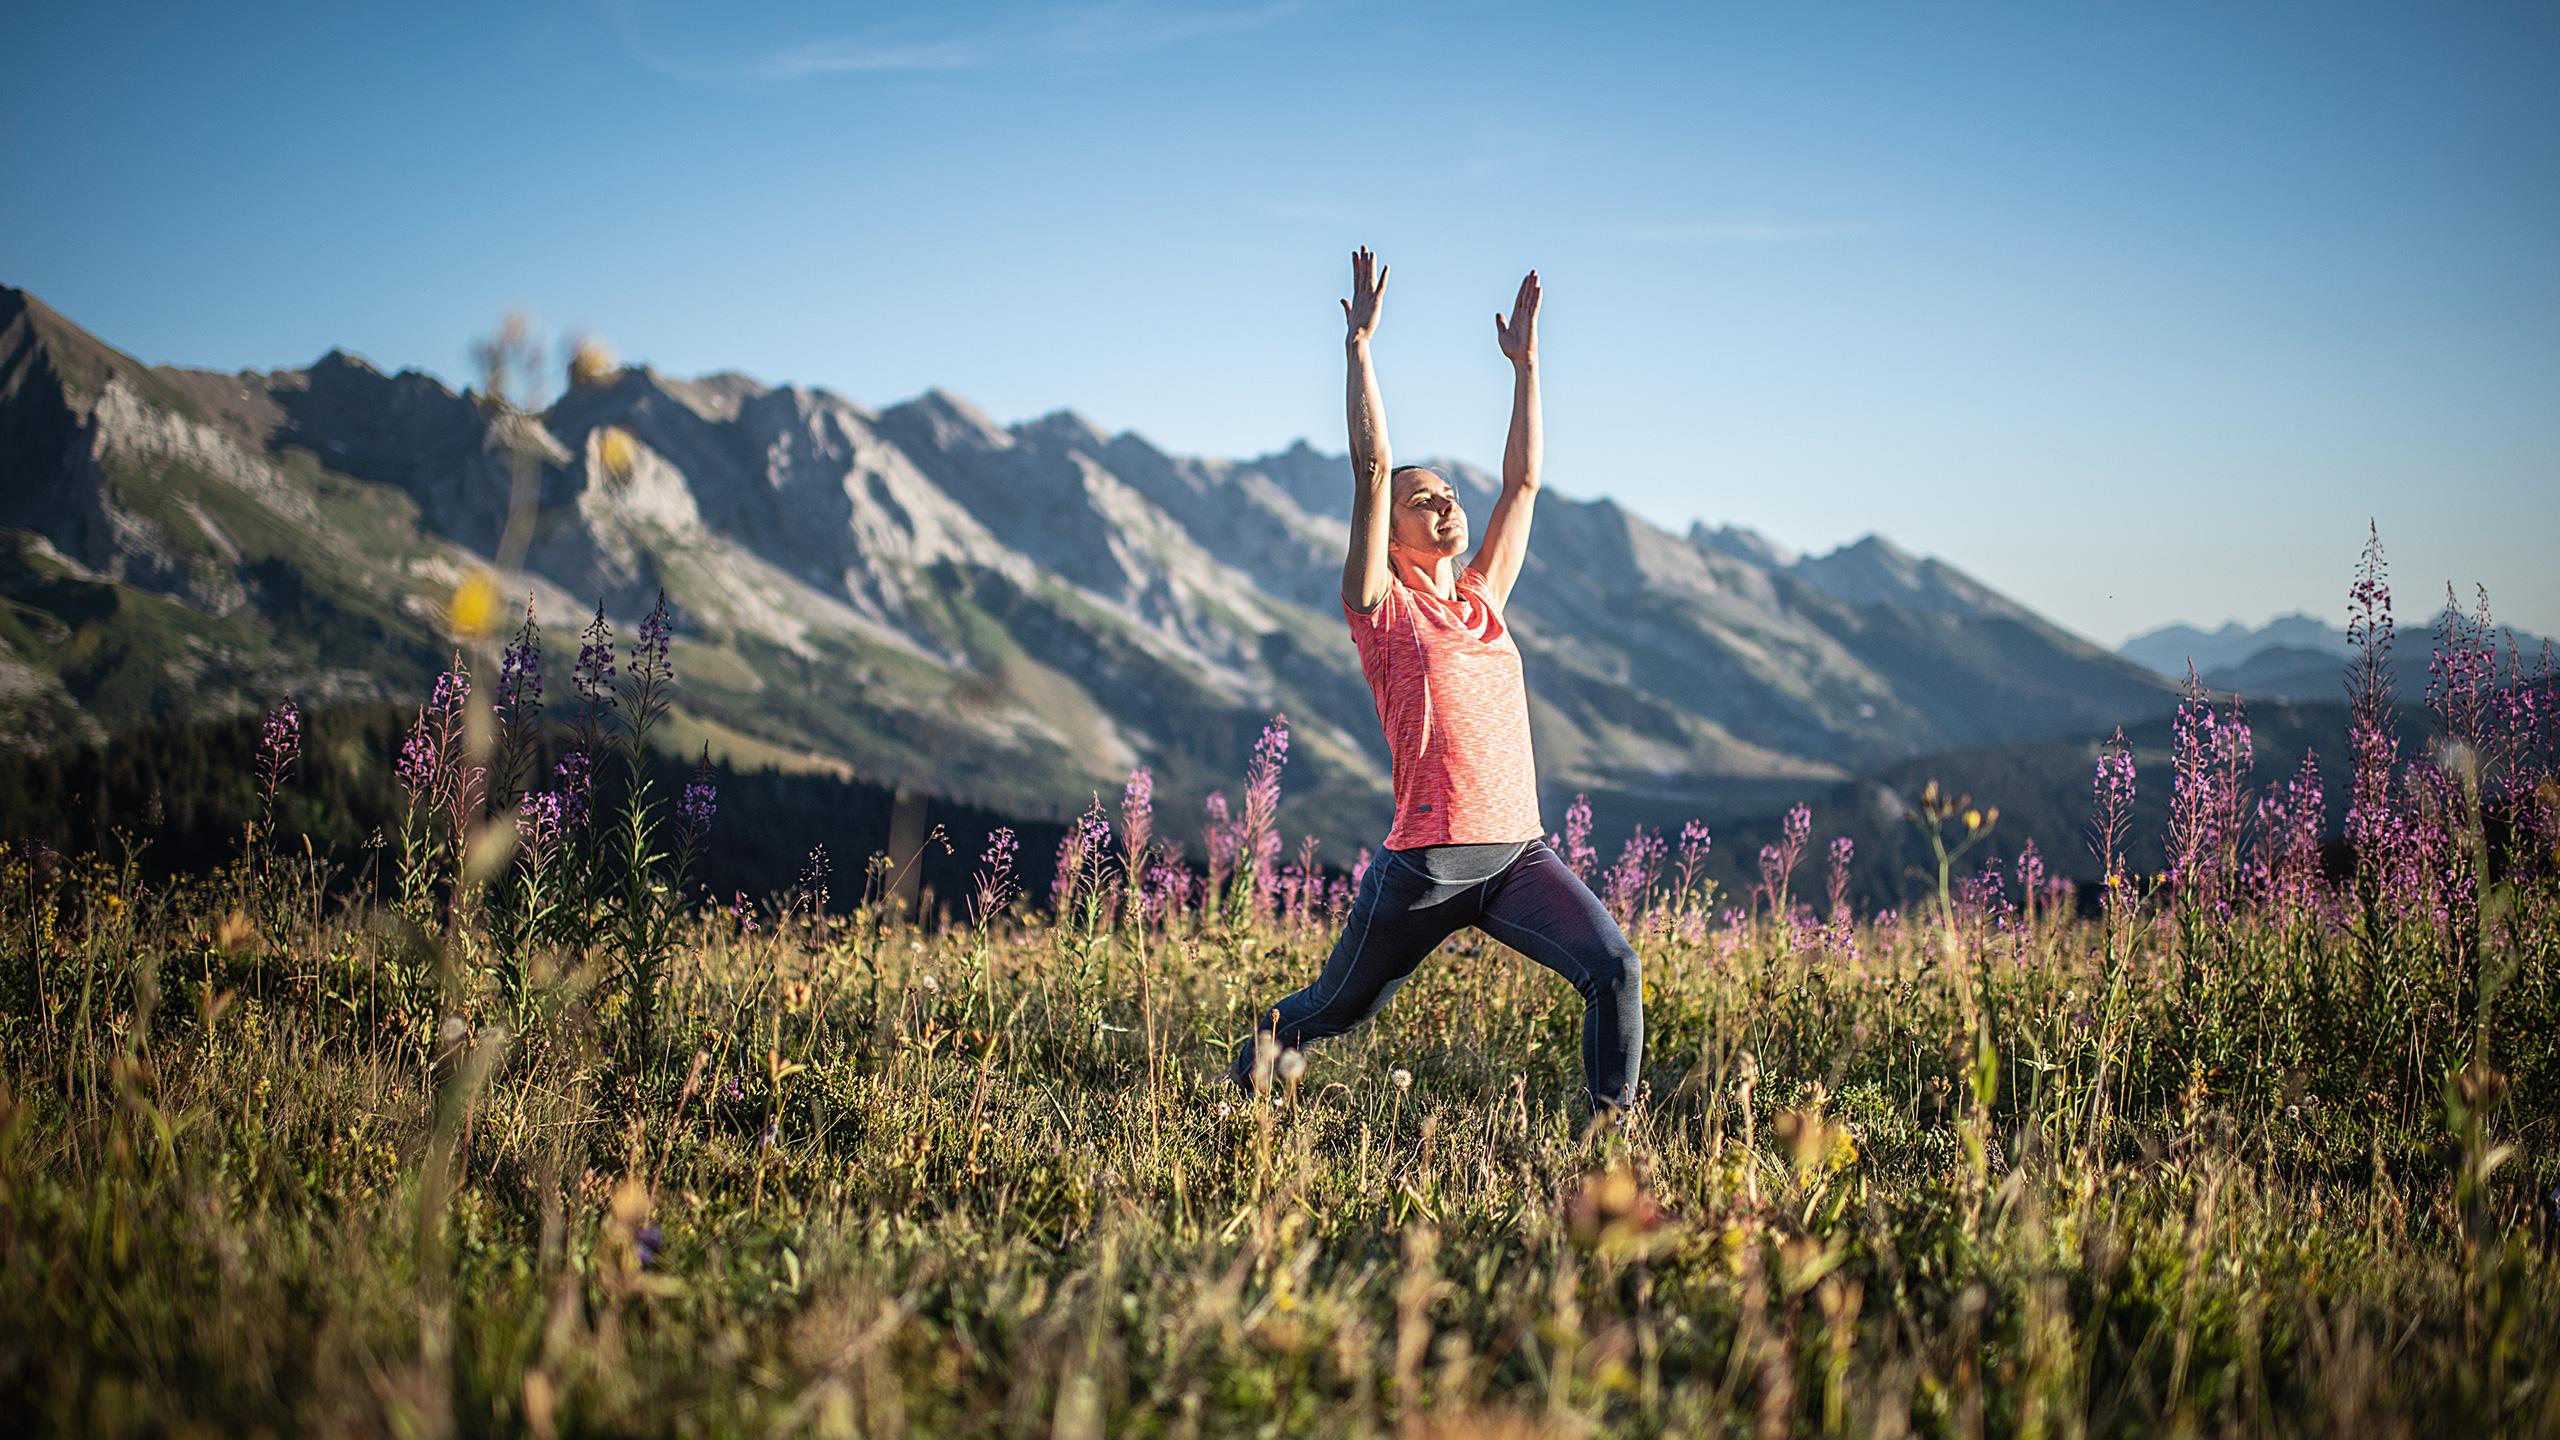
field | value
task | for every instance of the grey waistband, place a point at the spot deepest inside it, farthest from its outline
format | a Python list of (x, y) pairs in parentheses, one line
[(1461, 864)]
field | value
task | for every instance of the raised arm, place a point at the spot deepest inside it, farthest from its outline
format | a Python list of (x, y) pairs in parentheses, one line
[(1364, 569), (1506, 534)]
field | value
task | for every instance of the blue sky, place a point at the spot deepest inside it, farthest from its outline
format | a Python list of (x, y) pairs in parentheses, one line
[(2137, 312)]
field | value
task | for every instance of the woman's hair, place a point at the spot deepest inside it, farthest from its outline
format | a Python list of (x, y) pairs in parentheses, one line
[(1392, 474)]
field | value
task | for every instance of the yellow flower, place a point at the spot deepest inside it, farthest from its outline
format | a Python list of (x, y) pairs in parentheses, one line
[(1973, 819), (616, 453), (474, 610), (592, 363)]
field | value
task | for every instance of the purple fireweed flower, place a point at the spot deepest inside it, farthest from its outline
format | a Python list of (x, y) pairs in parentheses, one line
[(1843, 850), (995, 872), (1068, 869), (2212, 754), (1695, 845), (1260, 837), (417, 766), (1225, 839), (1095, 828), (2111, 791), (1081, 853), (278, 745), (2286, 873), (1166, 890), (1579, 856), (701, 799), (1986, 894), (577, 771), (520, 673), (1360, 867), (595, 670), (2462, 673), (2374, 829), (1137, 815), (542, 817), (1639, 863), (649, 663), (1778, 862)]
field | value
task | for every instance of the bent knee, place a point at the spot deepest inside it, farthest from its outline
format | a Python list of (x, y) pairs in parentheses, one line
[(1616, 971)]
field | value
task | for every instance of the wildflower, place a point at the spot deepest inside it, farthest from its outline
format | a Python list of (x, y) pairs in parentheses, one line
[(1401, 1078), (595, 670), (1843, 849), (700, 800), (1633, 875), (278, 745), (1578, 854), (2111, 790), (995, 873), (576, 771), (542, 816), (591, 363), (416, 768), (616, 454), (1137, 813), (1260, 835), (1293, 1066), (520, 673), (474, 607), (649, 664)]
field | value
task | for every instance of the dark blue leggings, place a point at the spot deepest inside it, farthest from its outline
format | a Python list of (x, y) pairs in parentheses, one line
[(1536, 905)]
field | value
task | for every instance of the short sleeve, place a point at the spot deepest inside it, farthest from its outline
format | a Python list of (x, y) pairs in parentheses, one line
[(1376, 617)]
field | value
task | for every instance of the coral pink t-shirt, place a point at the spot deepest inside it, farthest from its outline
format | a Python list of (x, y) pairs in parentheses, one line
[(1446, 677)]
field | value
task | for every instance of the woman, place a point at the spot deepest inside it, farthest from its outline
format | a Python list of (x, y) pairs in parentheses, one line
[(1467, 847)]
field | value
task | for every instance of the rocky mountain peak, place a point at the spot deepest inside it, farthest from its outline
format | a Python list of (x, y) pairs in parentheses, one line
[(948, 422)]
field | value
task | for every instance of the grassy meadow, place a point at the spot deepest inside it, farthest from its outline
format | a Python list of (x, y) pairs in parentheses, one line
[(528, 1137)]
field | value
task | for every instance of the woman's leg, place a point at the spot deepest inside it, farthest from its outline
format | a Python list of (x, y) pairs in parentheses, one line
[(1399, 917), (1540, 908)]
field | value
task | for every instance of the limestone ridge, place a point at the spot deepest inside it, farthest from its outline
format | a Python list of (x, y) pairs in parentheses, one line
[(1017, 613)]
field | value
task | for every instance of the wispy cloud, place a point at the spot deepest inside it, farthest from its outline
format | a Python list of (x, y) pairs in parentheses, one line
[(1743, 230), (1123, 27), (844, 56), (1077, 35)]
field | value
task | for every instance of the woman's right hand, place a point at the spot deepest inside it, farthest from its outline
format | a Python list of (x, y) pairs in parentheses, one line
[(1368, 283)]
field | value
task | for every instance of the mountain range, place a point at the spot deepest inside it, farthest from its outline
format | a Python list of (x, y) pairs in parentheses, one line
[(2298, 657), (1011, 614)]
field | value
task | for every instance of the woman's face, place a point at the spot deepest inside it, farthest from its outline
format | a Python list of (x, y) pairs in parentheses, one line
[(1427, 517)]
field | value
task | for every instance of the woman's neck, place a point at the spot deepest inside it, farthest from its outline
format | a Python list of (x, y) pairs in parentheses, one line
[(1434, 574)]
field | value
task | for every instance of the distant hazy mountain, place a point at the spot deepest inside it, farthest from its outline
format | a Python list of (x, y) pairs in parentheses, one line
[(2298, 657), (1013, 613)]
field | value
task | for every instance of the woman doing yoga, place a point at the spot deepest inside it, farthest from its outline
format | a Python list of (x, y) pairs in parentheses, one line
[(1467, 846)]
